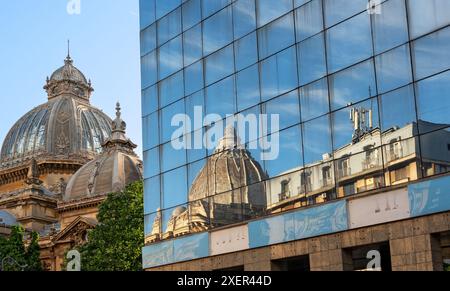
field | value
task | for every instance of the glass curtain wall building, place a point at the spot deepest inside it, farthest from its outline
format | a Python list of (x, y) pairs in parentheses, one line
[(363, 98)]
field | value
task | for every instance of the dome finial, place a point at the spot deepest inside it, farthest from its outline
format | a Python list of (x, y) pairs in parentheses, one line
[(118, 113), (68, 59)]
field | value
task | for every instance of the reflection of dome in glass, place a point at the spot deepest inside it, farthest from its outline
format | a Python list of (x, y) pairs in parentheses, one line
[(230, 168), (65, 128), (228, 189), (111, 171)]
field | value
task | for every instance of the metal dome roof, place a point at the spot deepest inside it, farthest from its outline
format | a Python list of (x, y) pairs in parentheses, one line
[(69, 72), (64, 128)]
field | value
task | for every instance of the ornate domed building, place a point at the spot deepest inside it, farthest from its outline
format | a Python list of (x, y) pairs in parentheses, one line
[(228, 189), (58, 163)]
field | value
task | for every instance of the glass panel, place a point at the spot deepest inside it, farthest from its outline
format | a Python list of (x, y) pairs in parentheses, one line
[(192, 45), (244, 18), (290, 152), (393, 69), (220, 98), (311, 59), (355, 127), (433, 102), (279, 74), (246, 52), (226, 208), (359, 172), (210, 7), (197, 152), (389, 26), (247, 87), (165, 6), (192, 11), (195, 104), (435, 148), (401, 159), (314, 99), (217, 31), (149, 100), (352, 85), (349, 42), (432, 54), (150, 136), (170, 58), (286, 107), (169, 26), (219, 65), (267, 11), (426, 16), (394, 124), (151, 162), (148, 39), (171, 158), (193, 76), (171, 89), (146, 12), (309, 19), (319, 183), (167, 114), (284, 188), (148, 69), (276, 36), (152, 194), (174, 187), (335, 12), (317, 140)]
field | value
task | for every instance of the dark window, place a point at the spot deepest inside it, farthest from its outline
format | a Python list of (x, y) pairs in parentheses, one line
[(355, 259), (300, 264)]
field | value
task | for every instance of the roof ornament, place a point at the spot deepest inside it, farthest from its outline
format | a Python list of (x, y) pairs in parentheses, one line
[(33, 174), (68, 59), (118, 137)]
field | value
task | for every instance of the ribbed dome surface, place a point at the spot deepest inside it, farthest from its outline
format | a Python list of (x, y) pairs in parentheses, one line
[(66, 128)]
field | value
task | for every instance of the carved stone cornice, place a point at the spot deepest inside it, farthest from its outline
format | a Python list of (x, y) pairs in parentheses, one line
[(80, 204)]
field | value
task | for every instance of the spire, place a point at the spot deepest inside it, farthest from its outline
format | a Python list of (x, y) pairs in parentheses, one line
[(118, 137), (68, 59), (118, 124)]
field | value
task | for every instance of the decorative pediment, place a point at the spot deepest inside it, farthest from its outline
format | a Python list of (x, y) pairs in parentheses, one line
[(76, 231)]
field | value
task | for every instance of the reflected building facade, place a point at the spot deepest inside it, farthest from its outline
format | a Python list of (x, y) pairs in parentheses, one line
[(363, 97)]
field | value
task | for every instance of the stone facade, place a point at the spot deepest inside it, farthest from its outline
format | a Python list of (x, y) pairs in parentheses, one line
[(59, 162), (415, 245)]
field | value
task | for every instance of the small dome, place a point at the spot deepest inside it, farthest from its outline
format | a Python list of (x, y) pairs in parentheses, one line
[(111, 171), (7, 218), (69, 72)]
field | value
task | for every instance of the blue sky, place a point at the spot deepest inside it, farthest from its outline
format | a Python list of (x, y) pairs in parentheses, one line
[(104, 45)]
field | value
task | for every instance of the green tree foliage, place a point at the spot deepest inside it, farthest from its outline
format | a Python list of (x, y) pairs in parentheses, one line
[(14, 256), (33, 253), (116, 242)]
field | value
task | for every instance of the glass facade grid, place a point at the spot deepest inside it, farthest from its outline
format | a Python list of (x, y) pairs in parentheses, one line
[(337, 77)]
